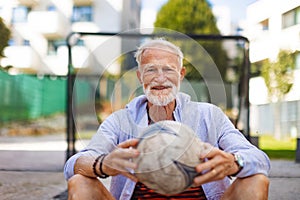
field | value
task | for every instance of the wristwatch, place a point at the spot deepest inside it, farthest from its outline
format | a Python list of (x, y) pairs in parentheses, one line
[(239, 161)]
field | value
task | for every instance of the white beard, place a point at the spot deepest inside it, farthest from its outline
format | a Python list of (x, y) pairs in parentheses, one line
[(162, 99)]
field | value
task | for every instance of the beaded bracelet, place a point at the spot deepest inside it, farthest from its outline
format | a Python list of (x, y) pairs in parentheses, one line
[(103, 175), (94, 166)]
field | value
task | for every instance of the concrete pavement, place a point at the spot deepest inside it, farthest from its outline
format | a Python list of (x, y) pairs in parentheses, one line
[(31, 168)]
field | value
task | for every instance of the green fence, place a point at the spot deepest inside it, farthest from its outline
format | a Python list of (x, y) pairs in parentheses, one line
[(24, 97)]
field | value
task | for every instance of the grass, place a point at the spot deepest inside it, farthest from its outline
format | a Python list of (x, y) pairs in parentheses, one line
[(278, 149), (275, 149), (85, 135)]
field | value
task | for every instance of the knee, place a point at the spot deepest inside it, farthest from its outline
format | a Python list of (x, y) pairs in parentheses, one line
[(264, 180), (261, 189), (76, 180), (82, 187), (262, 184), (74, 184), (242, 188), (260, 180)]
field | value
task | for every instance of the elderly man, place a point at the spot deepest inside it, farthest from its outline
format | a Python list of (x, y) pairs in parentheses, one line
[(109, 153)]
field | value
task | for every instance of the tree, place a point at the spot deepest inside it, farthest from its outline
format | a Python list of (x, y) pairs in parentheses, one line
[(187, 16), (278, 78), (4, 38), (278, 75), (5, 35), (193, 17)]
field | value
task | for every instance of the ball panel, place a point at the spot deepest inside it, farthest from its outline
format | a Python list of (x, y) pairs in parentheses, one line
[(169, 152)]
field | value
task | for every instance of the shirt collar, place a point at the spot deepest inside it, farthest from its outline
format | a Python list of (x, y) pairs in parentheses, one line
[(138, 108)]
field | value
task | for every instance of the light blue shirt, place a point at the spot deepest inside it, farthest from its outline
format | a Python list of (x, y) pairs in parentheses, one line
[(208, 122)]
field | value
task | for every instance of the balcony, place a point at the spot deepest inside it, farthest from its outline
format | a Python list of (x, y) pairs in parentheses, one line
[(51, 24), (290, 38), (83, 26), (58, 64), (28, 3), (21, 57), (83, 2)]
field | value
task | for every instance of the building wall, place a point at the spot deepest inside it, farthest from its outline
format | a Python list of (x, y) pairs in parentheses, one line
[(41, 27), (268, 33), (265, 30)]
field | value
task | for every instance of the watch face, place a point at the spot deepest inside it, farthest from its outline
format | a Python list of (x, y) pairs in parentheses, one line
[(239, 160)]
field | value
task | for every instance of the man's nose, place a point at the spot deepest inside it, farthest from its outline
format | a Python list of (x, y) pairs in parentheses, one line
[(161, 76)]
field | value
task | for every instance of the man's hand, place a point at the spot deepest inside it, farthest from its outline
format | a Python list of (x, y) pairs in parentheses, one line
[(216, 166), (118, 161)]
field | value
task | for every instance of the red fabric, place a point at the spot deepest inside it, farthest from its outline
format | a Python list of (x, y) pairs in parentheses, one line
[(142, 192)]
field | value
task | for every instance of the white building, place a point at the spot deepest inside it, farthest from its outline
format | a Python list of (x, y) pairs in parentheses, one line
[(40, 27), (272, 26), (223, 19)]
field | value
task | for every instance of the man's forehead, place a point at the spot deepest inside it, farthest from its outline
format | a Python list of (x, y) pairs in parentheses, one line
[(159, 48), (150, 65)]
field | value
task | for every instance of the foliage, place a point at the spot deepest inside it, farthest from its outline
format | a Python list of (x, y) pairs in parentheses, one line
[(5, 35), (267, 141), (278, 149), (278, 75), (193, 17), (187, 16)]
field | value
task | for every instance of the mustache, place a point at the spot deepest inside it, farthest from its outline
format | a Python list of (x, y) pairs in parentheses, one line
[(165, 84)]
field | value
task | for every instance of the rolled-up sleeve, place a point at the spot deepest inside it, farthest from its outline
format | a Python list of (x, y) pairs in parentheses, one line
[(104, 141), (233, 141), (69, 166)]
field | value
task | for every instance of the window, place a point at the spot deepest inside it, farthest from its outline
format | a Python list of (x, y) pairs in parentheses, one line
[(26, 42), (297, 15), (291, 108), (133, 5), (291, 18), (265, 24), (82, 14), (11, 42), (20, 14), (255, 68), (51, 8), (297, 60), (53, 46)]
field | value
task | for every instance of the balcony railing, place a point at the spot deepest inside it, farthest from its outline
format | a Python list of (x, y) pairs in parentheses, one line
[(23, 57), (28, 3), (52, 24)]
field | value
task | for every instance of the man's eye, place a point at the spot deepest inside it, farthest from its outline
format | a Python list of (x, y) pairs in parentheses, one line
[(168, 69), (150, 70)]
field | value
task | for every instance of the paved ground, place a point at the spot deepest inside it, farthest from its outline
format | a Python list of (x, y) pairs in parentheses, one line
[(31, 168)]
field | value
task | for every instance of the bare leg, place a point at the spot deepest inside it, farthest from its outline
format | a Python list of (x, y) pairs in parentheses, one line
[(249, 188), (82, 187)]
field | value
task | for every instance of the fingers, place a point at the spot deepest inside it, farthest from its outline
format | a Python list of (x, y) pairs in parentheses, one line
[(129, 143), (125, 153), (217, 165), (210, 175), (124, 165), (207, 151), (119, 160)]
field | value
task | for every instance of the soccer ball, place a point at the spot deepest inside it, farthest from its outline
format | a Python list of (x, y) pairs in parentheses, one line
[(169, 152)]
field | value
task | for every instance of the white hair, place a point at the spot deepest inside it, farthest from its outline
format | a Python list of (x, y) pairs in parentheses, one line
[(162, 44)]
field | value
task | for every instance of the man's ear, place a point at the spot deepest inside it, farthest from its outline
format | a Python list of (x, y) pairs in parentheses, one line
[(182, 73), (139, 75)]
